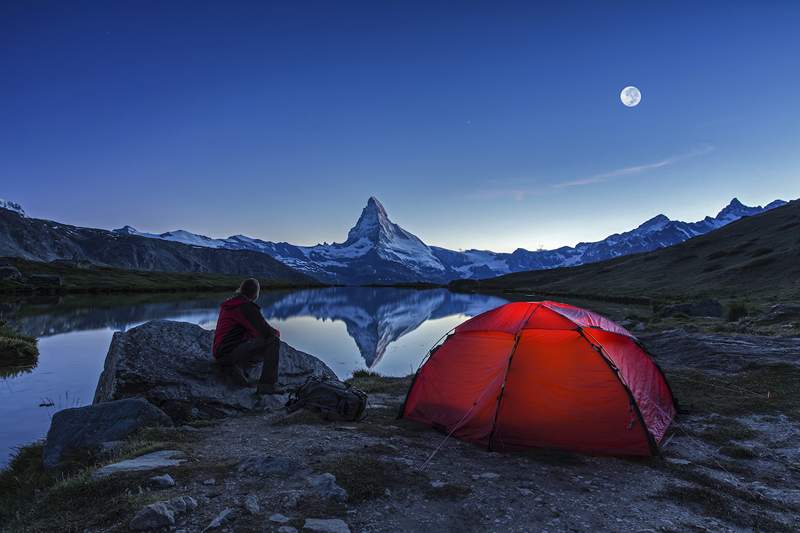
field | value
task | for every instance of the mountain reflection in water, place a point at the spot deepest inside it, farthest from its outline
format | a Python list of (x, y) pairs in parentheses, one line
[(385, 329), (374, 317)]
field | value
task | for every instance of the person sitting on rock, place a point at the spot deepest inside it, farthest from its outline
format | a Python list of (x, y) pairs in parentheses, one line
[(243, 339)]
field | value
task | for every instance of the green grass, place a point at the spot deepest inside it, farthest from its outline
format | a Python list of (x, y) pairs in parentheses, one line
[(18, 353), (35, 499), (372, 382), (762, 389), (112, 280), (366, 478)]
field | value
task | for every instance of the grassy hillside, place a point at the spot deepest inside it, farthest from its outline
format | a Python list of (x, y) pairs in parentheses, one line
[(101, 279), (755, 257)]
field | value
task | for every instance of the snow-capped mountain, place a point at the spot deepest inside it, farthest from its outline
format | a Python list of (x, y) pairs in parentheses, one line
[(379, 251), (12, 206)]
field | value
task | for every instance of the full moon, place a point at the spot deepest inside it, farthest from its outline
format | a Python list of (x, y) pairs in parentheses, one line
[(630, 96)]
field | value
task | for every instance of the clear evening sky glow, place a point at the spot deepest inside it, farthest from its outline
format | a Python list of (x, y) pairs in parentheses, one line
[(478, 125)]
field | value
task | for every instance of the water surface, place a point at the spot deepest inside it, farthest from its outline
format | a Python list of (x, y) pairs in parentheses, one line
[(387, 330)]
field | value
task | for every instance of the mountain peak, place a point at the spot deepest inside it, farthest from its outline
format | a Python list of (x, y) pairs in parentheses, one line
[(12, 206), (655, 223), (372, 222), (735, 203), (127, 230)]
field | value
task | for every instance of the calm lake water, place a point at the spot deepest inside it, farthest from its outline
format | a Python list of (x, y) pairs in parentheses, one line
[(387, 330)]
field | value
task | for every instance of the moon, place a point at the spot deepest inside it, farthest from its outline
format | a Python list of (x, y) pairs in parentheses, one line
[(630, 96)]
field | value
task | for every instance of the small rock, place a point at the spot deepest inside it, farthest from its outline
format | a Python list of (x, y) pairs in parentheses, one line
[(162, 482), (326, 487), (149, 461), (251, 504), (524, 491), (182, 504), (326, 525), (437, 484), (210, 481), (226, 515), (278, 518), (291, 499), (287, 529), (486, 475), (676, 461), (153, 516), (84, 430)]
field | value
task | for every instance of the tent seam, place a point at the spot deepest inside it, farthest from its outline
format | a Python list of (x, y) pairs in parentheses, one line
[(651, 442), (517, 338)]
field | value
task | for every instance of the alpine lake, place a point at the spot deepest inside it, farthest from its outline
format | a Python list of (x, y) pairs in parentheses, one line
[(385, 330)]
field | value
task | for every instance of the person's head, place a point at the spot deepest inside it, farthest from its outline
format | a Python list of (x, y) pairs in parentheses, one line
[(250, 289)]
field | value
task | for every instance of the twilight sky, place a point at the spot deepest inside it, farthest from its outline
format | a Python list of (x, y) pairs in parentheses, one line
[(478, 125)]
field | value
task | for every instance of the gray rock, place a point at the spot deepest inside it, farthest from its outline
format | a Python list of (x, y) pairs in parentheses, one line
[(153, 516), (287, 529), (278, 518), (326, 487), (150, 461), (719, 352), (83, 431), (226, 515), (10, 273), (251, 504), (170, 364), (162, 514), (271, 466), (182, 504), (162, 482), (326, 525)]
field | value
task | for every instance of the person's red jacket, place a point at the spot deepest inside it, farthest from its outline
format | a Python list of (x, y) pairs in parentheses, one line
[(239, 320)]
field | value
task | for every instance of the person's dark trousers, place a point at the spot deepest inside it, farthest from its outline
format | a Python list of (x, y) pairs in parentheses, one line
[(252, 352)]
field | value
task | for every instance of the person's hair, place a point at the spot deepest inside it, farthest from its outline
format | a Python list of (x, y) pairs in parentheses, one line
[(250, 288)]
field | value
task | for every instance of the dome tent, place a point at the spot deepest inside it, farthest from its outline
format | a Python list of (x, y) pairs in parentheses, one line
[(544, 374)]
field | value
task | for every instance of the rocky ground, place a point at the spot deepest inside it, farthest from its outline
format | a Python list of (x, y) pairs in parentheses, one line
[(730, 463)]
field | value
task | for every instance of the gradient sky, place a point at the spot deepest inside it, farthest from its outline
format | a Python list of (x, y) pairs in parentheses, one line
[(477, 124)]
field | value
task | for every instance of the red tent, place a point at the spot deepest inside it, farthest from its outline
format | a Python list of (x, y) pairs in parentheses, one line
[(544, 374)]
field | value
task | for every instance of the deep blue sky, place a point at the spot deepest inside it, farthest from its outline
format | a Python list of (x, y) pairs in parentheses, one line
[(477, 124)]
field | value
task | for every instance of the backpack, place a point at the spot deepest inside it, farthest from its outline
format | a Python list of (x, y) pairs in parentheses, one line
[(331, 397)]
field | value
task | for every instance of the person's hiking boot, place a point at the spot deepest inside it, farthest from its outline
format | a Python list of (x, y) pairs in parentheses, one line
[(237, 376), (270, 388)]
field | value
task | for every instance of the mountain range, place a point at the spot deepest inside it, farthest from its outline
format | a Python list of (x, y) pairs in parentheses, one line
[(47, 241), (379, 251)]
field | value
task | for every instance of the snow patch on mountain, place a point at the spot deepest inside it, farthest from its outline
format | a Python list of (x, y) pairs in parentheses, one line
[(12, 206), (377, 250)]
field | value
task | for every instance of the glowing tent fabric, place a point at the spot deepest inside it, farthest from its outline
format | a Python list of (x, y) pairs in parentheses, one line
[(544, 374)]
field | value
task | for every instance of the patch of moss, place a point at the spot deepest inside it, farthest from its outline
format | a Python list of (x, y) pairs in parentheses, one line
[(366, 478), (758, 389), (372, 382), (18, 353)]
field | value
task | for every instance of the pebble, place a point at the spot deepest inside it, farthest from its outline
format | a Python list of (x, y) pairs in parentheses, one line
[(210, 481), (278, 518), (251, 504), (287, 529), (326, 525), (226, 515), (162, 482)]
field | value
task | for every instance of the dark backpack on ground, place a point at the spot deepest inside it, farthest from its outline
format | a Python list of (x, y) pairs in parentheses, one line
[(330, 397)]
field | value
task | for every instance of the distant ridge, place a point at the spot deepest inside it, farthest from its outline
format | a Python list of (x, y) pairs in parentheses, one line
[(756, 257), (379, 251)]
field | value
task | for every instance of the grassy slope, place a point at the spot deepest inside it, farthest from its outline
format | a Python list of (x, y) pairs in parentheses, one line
[(756, 257), (103, 279)]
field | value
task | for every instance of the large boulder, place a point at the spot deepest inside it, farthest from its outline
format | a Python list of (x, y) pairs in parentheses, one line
[(170, 364), (84, 432)]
